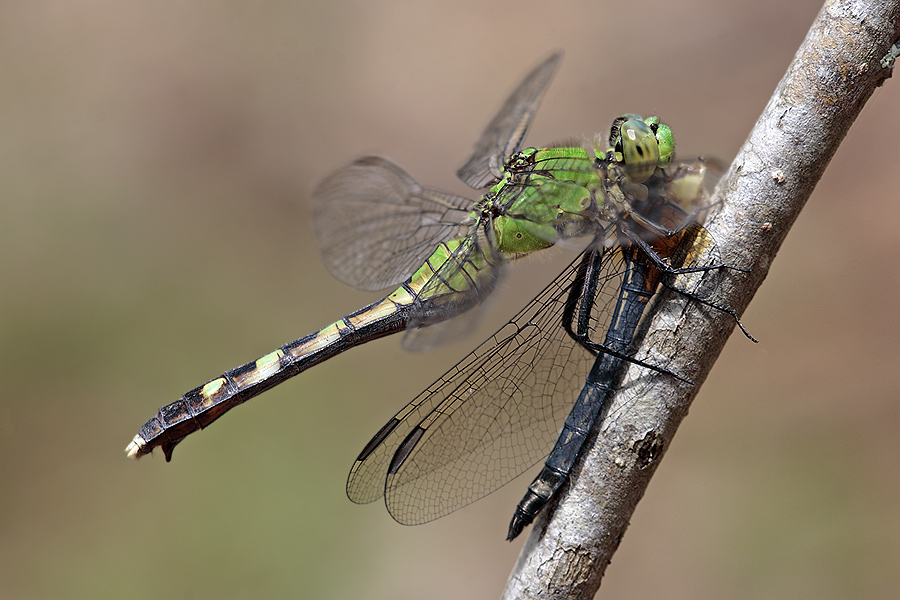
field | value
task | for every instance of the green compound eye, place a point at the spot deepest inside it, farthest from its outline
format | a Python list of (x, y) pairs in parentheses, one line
[(641, 145), (666, 141), (637, 150)]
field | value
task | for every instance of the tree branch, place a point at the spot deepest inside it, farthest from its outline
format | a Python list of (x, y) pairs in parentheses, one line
[(847, 53)]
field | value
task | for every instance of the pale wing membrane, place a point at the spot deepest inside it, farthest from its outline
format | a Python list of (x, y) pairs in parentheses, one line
[(696, 248), (458, 287), (504, 134), (463, 282), (376, 225), (490, 417)]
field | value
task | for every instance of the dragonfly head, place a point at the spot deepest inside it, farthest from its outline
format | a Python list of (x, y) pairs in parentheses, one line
[(640, 146)]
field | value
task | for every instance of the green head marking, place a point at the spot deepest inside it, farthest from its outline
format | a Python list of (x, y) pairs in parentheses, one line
[(641, 145), (666, 140)]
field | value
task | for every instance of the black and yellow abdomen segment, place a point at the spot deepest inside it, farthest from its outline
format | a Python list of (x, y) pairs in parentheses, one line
[(202, 405)]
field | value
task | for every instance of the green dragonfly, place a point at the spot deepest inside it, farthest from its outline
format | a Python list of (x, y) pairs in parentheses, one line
[(495, 413)]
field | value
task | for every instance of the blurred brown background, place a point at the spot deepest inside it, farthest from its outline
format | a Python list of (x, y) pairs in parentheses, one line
[(157, 159)]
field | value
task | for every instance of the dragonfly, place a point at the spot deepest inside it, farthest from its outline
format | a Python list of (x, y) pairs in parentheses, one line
[(495, 413)]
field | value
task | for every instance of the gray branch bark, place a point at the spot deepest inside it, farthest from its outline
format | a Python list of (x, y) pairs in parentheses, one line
[(847, 53)]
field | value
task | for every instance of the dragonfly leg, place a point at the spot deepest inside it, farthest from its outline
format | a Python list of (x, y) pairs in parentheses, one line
[(669, 270), (663, 266), (582, 295), (728, 311)]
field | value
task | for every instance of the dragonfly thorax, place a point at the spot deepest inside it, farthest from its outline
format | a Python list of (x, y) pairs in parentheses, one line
[(545, 194)]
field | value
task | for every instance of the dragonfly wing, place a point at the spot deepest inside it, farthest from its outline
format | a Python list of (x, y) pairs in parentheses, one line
[(679, 202), (457, 289), (488, 419), (504, 134), (423, 339), (678, 195), (376, 225), (499, 411)]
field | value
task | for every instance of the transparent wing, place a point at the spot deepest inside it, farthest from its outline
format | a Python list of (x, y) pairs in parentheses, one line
[(456, 289), (499, 410), (670, 200), (376, 225), (678, 202), (504, 134), (489, 418), (469, 275)]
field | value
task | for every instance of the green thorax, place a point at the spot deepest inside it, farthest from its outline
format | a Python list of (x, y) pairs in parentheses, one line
[(549, 193), (544, 194)]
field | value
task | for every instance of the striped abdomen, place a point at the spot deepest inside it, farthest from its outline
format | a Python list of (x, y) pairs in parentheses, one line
[(434, 293)]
